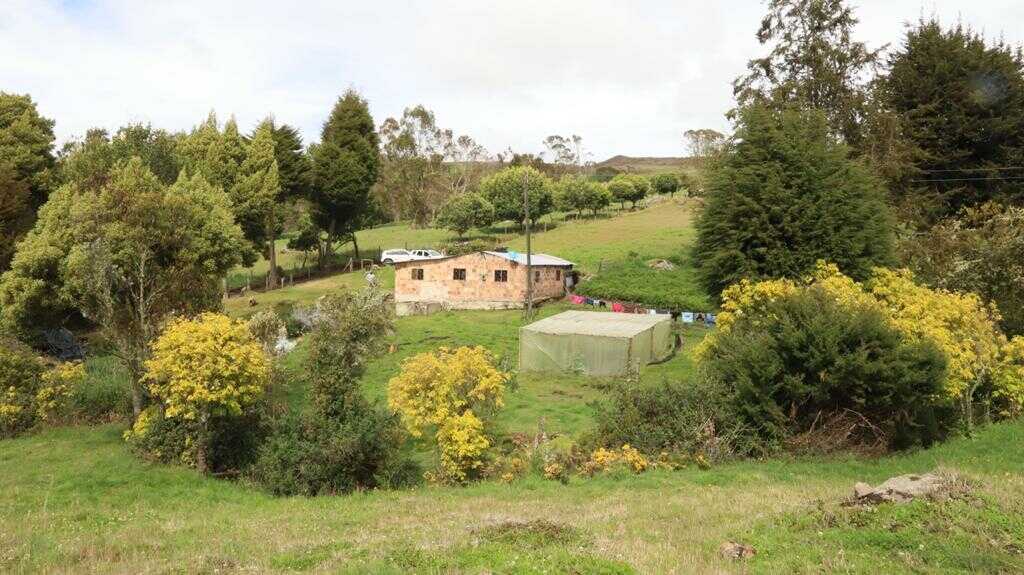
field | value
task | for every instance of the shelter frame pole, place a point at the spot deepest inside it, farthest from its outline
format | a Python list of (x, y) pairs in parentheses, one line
[(529, 260)]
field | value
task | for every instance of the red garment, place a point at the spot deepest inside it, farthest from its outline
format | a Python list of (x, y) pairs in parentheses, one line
[(617, 307)]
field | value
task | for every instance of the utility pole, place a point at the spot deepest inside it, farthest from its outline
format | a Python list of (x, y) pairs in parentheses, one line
[(529, 261)]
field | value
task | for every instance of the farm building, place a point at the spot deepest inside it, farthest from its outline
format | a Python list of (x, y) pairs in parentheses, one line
[(480, 280), (596, 343)]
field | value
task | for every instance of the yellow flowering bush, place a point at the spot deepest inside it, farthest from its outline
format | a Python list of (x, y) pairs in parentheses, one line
[(1009, 378), (143, 425), (960, 324), (603, 459), (462, 443), (205, 367), (555, 471), (634, 459), (58, 382), (20, 380), (450, 391)]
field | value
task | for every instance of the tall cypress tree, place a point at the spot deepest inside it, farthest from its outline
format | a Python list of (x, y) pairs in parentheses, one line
[(784, 196), (294, 167), (960, 104), (814, 63), (26, 168), (26, 144), (345, 167), (254, 195)]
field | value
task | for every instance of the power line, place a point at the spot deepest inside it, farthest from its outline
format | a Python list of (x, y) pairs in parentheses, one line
[(988, 179), (996, 169)]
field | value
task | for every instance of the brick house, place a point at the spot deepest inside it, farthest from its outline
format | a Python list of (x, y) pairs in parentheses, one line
[(480, 280)]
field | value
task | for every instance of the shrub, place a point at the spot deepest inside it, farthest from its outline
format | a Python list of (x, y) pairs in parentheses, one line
[(811, 355), (344, 442), (674, 417), (350, 329), (231, 440), (315, 455), (449, 392), (980, 252), (784, 197), (202, 369), (603, 460), (665, 184), (58, 383), (958, 323), (297, 320), (267, 328), (21, 375), (1009, 379), (32, 392)]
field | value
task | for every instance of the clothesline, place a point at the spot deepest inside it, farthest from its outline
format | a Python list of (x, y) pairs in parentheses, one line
[(688, 317)]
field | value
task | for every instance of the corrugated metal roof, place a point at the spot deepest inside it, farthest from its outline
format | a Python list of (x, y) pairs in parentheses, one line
[(535, 259), (608, 324)]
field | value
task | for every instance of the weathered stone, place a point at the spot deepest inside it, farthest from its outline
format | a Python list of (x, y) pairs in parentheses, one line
[(861, 489), (904, 488), (661, 265), (734, 550)]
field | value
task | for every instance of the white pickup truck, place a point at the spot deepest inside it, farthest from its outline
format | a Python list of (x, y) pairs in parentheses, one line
[(396, 256)]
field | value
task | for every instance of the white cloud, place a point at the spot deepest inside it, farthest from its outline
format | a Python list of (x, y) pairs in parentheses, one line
[(628, 77)]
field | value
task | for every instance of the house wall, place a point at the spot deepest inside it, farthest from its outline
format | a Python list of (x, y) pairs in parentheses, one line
[(477, 291)]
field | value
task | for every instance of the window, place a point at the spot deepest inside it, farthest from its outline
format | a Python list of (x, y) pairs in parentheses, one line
[(459, 274), (558, 275), (501, 275), (417, 273), (536, 276)]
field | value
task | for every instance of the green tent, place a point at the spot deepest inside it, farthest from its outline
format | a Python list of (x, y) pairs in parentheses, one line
[(594, 343)]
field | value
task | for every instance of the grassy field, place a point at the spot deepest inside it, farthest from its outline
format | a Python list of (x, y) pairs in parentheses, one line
[(560, 403), (602, 246), (74, 500)]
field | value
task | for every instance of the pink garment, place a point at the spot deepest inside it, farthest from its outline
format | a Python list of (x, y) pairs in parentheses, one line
[(576, 299), (617, 307)]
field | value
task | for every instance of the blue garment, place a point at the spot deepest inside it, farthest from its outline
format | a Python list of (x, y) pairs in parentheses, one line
[(710, 319), (687, 317)]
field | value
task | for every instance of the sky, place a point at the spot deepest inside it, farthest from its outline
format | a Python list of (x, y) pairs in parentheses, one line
[(629, 77)]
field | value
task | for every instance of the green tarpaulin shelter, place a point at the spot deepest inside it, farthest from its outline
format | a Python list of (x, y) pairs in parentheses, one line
[(594, 343)]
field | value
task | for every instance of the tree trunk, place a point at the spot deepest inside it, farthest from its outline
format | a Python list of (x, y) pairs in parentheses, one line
[(272, 246), (329, 248), (355, 245), (135, 375), (201, 445)]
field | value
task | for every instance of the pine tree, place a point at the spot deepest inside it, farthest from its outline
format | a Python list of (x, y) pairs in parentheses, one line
[(345, 167), (784, 196), (294, 167), (814, 64), (254, 195), (960, 103), (26, 143)]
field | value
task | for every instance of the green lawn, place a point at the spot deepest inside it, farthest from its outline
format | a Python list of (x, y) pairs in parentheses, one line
[(74, 500), (560, 401)]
